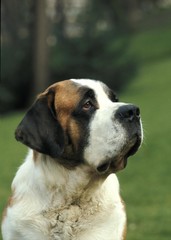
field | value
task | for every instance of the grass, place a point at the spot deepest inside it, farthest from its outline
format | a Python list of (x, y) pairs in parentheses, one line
[(145, 183), (12, 154)]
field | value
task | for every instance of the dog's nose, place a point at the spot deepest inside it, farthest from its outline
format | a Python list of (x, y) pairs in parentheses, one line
[(128, 112)]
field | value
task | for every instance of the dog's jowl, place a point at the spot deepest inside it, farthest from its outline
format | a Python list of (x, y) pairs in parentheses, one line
[(79, 135)]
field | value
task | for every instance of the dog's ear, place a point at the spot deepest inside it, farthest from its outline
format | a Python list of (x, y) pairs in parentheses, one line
[(40, 129)]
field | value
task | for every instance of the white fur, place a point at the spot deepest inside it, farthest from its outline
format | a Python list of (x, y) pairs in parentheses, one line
[(51, 202)]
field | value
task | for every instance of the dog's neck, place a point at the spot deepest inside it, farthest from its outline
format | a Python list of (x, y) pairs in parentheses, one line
[(53, 183)]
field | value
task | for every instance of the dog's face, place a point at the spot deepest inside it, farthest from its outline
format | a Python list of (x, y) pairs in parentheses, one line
[(81, 122)]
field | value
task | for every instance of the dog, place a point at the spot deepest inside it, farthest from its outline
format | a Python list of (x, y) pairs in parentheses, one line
[(79, 136)]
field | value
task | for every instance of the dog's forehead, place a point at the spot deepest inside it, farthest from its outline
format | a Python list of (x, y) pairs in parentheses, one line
[(100, 89), (69, 92)]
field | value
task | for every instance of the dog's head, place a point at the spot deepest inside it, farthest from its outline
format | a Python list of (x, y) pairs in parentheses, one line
[(81, 122)]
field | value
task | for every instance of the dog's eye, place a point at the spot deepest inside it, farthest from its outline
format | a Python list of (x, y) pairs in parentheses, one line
[(87, 105)]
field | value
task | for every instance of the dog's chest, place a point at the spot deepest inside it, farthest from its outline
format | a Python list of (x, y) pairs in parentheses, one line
[(70, 222)]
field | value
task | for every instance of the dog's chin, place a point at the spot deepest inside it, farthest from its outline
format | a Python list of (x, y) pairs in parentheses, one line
[(120, 161)]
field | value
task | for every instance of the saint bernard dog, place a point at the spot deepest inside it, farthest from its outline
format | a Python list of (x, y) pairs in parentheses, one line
[(79, 136)]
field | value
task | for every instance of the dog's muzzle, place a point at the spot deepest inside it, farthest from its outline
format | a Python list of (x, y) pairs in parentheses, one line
[(128, 116)]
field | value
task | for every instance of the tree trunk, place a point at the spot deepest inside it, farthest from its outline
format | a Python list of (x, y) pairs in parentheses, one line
[(40, 48)]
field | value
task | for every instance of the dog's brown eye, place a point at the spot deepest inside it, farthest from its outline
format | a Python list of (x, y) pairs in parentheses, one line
[(87, 105)]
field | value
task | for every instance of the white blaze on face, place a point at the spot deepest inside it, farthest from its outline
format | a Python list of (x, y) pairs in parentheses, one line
[(107, 137)]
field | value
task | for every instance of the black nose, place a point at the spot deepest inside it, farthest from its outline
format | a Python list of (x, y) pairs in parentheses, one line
[(128, 112)]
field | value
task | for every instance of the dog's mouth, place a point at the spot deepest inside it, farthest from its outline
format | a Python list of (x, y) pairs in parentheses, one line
[(134, 148), (120, 162)]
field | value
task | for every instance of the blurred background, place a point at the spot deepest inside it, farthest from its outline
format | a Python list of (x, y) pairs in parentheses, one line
[(126, 44)]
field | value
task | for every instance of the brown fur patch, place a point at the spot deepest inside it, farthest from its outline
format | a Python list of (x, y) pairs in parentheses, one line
[(124, 232), (67, 98), (65, 101)]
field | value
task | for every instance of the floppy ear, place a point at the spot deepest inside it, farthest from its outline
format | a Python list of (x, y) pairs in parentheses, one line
[(40, 129)]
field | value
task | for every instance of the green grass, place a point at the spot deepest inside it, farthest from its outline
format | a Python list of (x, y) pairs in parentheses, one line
[(12, 154), (145, 183)]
